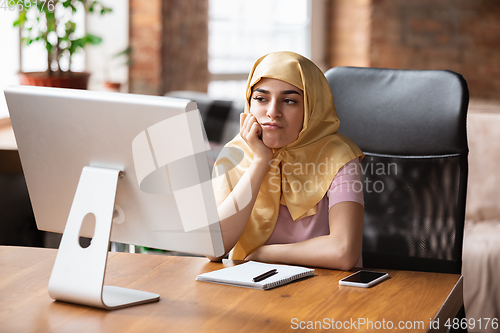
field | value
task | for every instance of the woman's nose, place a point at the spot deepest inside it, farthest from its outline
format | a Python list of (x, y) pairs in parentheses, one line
[(274, 110)]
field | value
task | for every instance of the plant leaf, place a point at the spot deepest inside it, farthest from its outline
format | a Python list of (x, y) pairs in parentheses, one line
[(92, 39)]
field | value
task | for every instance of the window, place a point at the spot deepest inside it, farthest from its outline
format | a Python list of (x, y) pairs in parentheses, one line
[(9, 57), (241, 31), (33, 58)]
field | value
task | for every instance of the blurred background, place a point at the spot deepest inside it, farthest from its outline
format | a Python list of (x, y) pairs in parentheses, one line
[(210, 45)]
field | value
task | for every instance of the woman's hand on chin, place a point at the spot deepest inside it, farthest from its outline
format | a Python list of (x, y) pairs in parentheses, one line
[(251, 132)]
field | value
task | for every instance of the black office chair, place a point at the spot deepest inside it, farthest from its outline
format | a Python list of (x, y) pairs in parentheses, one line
[(411, 125)]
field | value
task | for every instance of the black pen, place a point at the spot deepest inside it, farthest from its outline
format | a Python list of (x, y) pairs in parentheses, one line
[(265, 275)]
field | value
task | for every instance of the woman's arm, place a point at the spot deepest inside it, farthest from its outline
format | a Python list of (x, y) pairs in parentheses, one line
[(232, 225), (338, 250)]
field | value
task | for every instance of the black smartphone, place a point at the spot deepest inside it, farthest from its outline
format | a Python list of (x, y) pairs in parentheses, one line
[(363, 279)]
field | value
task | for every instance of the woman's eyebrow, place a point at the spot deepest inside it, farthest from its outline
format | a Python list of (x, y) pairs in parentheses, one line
[(264, 91), (288, 92), (284, 92)]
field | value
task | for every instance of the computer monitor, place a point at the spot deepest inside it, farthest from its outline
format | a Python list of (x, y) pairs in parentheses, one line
[(134, 165)]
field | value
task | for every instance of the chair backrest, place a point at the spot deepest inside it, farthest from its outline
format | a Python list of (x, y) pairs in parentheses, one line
[(411, 125)]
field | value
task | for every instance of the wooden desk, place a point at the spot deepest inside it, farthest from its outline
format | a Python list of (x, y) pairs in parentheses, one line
[(189, 306)]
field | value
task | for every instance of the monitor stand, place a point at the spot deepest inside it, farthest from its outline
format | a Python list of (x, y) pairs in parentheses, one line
[(78, 273)]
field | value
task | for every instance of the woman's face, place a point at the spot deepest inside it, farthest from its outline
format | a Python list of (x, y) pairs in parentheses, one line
[(279, 109)]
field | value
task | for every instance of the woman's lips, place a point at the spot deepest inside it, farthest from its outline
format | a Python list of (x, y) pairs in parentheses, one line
[(271, 126)]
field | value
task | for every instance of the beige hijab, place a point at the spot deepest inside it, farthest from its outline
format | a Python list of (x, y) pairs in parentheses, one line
[(301, 172)]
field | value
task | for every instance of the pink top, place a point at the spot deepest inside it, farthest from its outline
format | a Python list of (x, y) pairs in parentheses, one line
[(346, 186)]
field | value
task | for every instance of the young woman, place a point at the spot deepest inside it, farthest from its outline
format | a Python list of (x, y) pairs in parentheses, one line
[(287, 187)]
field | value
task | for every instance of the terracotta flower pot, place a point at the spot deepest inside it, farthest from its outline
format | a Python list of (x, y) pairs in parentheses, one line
[(113, 86), (73, 80)]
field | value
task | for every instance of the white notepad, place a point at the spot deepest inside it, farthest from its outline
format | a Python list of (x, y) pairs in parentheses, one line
[(242, 275)]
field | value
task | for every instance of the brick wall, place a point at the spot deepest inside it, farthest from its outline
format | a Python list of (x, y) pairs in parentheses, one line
[(145, 41), (185, 45), (349, 33), (459, 35), (169, 41)]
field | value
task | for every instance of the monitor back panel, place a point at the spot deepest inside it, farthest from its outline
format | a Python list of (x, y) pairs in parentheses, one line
[(59, 131)]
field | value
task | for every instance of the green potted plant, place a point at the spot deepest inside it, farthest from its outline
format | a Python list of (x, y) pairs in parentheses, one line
[(51, 22)]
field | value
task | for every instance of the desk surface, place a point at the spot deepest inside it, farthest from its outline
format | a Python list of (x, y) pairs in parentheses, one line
[(189, 306)]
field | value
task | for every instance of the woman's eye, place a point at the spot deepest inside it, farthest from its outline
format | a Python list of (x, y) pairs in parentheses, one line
[(289, 101), (259, 98)]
